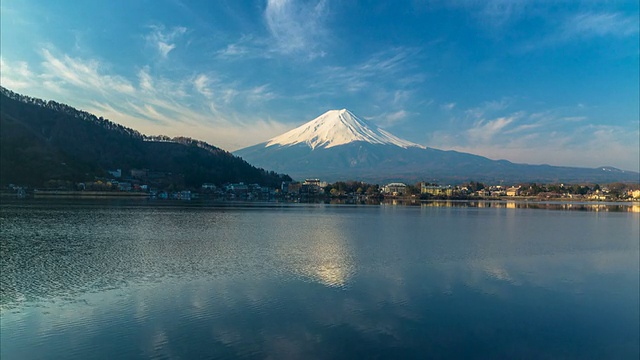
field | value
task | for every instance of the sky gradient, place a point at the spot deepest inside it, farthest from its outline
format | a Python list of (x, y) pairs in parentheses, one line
[(540, 82)]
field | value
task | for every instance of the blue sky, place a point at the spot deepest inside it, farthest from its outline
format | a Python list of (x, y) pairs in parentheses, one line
[(553, 82)]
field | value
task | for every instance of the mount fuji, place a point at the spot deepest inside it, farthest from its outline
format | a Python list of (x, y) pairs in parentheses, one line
[(338, 145)]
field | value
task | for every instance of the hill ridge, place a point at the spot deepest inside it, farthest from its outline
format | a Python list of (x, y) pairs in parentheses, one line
[(46, 140)]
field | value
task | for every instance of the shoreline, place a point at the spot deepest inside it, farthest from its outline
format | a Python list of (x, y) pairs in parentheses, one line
[(66, 194)]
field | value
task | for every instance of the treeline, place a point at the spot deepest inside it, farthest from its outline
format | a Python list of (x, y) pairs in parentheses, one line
[(617, 189), (45, 140), (71, 111), (342, 188)]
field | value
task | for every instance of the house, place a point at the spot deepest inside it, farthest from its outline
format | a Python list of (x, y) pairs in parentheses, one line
[(394, 189), (483, 193), (513, 191), (430, 189), (435, 190), (598, 195)]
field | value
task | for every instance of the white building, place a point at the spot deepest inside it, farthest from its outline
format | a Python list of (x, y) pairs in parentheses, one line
[(394, 189)]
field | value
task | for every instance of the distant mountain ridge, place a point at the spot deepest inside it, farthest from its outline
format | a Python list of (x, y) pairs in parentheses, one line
[(45, 140), (338, 145)]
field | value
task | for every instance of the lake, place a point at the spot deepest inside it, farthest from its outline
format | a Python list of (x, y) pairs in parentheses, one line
[(141, 279)]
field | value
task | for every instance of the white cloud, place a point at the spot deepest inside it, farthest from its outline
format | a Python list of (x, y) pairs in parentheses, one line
[(146, 83), (228, 95), (548, 137), (391, 70), (164, 40), (448, 106), (233, 50), (165, 48), (400, 97), (248, 47), (152, 104), (488, 107), (585, 26), (260, 93), (600, 24), (492, 14), (85, 74), (201, 83), (297, 28), (397, 116), (16, 76), (484, 131)]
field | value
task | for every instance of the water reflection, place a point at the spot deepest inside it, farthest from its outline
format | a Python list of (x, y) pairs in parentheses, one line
[(577, 206), (330, 257), (319, 282)]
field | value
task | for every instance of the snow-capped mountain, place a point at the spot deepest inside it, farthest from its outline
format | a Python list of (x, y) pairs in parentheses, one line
[(338, 127), (338, 145)]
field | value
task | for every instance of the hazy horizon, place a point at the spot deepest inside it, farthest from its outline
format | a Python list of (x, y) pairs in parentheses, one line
[(529, 82)]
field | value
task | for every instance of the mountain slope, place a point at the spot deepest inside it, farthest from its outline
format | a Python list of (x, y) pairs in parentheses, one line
[(41, 141), (337, 127), (328, 148)]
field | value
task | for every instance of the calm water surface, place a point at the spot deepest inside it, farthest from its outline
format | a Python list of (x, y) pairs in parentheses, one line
[(134, 280)]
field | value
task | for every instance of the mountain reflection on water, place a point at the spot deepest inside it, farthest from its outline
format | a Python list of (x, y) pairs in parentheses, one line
[(130, 280)]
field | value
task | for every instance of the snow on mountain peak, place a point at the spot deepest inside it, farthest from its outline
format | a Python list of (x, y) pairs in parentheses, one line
[(337, 127)]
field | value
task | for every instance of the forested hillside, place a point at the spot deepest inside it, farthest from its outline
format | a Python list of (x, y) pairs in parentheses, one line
[(45, 140)]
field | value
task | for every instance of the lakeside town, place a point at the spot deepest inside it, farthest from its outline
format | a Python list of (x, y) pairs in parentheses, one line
[(145, 183)]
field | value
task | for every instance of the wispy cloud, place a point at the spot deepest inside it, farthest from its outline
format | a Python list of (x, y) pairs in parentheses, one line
[(260, 93), (233, 50), (246, 47), (591, 24), (582, 27), (498, 13), (488, 107), (16, 75), (495, 130), (448, 106), (395, 68), (296, 27), (199, 103), (492, 14), (163, 40), (82, 73), (484, 131), (391, 118), (201, 83)]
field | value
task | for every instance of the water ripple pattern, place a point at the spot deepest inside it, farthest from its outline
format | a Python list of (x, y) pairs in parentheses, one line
[(141, 280)]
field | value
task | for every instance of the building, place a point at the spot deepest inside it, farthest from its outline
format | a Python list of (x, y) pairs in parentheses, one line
[(430, 189), (394, 189), (435, 190), (312, 187), (513, 191)]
